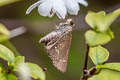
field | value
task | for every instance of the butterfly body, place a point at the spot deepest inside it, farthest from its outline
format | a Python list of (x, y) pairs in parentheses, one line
[(57, 44)]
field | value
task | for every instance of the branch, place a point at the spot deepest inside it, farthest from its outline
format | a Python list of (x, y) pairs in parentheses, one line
[(85, 71)]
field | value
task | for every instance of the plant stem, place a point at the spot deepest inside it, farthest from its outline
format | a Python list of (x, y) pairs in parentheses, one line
[(86, 58), (85, 64)]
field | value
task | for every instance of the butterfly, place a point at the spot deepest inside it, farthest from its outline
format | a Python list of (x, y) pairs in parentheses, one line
[(57, 44)]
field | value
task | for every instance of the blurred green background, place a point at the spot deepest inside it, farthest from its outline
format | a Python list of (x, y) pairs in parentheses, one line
[(13, 16)]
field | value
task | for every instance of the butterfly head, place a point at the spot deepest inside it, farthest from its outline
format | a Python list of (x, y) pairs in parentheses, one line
[(70, 22)]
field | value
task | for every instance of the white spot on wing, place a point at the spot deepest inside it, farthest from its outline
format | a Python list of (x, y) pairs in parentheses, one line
[(57, 50)]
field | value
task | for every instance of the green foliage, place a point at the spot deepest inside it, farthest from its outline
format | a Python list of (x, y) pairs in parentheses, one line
[(112, 66), (35, 71), (93, 18), (27, 69), (99, 35), (6, 54), (106, 74), (4, 30), (18, 60), (11, 77), (9, 45), (4, 33), (3, 38), (94, 38), (14, 63), (2, 76), (98, 54), (1, 67), (6, 76), (101, 21), (5, 2)]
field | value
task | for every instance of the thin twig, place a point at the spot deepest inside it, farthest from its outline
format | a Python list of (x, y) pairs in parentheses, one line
[(84, 77), (86, 59)]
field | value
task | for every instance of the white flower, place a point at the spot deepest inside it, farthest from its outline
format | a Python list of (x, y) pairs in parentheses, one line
[(58, 7)]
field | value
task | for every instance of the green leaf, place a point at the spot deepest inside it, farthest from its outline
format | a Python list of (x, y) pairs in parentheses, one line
[(5, 76), (19, 59), (92, 18), (98, 54), (113, 66), (110, 33), (94, 38), (117, 12), (17, 62), (35, 71), (5, 2), (2, 76), (23, 71), (11, 77), (3, 38), (8, 44), (4, 30), (1, 68), (106, 74), (6, 54), (4, 33), (100, 21)]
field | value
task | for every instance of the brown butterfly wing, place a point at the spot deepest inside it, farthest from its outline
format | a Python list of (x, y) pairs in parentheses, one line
[(58, 51)]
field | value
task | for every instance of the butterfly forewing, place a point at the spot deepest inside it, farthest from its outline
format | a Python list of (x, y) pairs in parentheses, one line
[(59, 52), (57, 44)]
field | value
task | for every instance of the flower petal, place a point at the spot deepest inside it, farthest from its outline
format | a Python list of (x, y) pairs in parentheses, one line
[(83, 2), (72, 6), (32, 7), (45, 7), (59, 8)]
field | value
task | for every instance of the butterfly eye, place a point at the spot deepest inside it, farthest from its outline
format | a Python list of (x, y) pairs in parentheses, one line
[(72, 23)]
